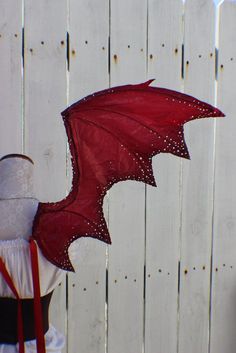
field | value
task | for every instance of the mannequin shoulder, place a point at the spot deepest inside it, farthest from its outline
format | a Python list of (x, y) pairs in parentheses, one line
[(17, 205), (17, 217)]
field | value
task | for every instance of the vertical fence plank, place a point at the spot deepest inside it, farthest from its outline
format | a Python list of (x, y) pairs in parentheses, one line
[(196, 241), (223, 310), (89, 32), (11, 77), (127, 200), (45, 94), (45, 98), (165, 36)]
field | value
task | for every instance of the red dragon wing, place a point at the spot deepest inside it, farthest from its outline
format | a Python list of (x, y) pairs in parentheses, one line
[(113, 135)]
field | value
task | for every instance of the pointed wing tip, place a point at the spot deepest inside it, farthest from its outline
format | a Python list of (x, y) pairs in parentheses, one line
[(147, 83), (218, 113), (64, 112), (105, 237), (212, 111), (150, 81), (70, 269), (108, 241), (186, 157), (152, 182), (221, 114)]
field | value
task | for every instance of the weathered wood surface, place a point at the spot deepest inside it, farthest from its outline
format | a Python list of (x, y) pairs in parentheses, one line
[(165, 38), (223, 311), (88, 72), (167, 282), (198, 181), (44, 98), (127, 200)]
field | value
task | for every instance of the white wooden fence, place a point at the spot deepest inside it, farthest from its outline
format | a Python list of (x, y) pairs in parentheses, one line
[(168, 282)]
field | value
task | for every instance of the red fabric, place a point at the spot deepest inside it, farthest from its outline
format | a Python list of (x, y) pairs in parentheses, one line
[(10, 283), (113, 135), (40, 341)]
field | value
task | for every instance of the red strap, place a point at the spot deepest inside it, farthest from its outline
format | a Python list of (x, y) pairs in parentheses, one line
[(10, 283), (37, 302)]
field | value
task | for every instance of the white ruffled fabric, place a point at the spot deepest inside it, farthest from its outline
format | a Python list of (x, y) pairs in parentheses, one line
[(16, 256), (18, 206), (53, 339)]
